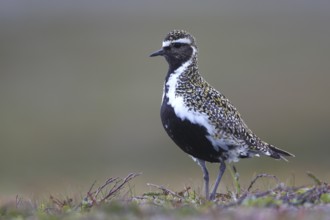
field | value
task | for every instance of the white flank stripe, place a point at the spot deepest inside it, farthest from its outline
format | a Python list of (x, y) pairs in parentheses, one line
[(183, 112), (163, 93)]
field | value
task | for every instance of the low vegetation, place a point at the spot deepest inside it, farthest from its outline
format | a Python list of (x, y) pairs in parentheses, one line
[(114, 200)]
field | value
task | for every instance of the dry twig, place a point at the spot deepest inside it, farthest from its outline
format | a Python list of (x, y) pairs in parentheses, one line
[(260, 176), (92, 197), (165, 191)]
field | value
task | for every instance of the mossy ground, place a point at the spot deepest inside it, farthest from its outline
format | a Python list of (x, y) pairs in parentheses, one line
[(113, 200)]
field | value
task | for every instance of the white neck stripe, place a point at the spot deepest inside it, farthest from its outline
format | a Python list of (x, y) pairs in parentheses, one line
[(181, 40)]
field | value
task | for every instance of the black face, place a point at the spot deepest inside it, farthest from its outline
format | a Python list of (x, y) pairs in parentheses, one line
[(175, 54)]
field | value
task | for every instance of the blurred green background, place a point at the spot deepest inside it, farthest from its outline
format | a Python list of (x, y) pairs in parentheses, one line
[(80, 97)]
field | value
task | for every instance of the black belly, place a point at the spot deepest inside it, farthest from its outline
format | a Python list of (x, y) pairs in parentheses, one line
[(191, 138)]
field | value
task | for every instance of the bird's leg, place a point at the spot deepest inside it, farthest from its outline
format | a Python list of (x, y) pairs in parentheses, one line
[(217, 181), (202, 164)]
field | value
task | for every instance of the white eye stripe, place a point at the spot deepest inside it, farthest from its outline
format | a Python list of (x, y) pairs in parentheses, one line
[(166, 43), (181, 40)]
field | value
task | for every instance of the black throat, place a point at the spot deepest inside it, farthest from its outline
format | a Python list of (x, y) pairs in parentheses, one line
[(176, 59)]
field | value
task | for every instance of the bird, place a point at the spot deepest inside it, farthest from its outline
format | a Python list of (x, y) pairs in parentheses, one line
[(199, 118)]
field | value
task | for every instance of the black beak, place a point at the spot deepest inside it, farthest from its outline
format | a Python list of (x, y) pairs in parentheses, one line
[(158, 53)]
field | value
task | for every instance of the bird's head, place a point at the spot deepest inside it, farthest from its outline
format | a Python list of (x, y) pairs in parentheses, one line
[(178, 47)]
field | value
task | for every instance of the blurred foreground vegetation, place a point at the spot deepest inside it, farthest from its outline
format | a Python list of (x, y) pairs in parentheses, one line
[(115, 200)]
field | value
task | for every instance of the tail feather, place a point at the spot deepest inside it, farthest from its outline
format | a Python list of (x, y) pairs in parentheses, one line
[(278, 153)]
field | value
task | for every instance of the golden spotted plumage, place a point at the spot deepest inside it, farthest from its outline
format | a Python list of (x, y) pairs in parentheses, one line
[(200, 119)]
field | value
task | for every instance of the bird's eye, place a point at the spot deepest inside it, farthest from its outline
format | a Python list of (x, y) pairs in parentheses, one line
[(177, 45)]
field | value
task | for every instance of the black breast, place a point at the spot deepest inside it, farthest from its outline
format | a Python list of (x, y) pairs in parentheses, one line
[(191, 138)]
